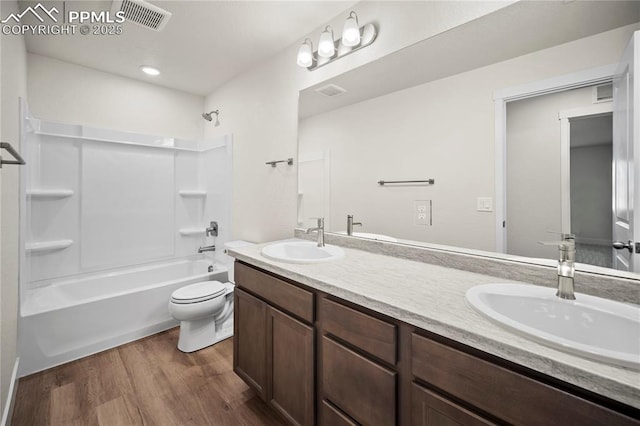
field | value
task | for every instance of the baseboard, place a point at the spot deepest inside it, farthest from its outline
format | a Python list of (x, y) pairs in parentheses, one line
[(11, 396)]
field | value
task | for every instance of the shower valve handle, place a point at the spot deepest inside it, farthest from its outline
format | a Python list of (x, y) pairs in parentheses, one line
[(212, 230)]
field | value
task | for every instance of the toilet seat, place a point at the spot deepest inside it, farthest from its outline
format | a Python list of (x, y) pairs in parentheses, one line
[(198, 292)]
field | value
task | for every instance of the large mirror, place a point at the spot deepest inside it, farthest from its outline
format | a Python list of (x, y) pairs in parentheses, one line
[(423, 120)]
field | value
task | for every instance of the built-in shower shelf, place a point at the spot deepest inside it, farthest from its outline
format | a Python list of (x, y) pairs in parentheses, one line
[(48, 246), (49, 194), (192, 231), (186, 193)]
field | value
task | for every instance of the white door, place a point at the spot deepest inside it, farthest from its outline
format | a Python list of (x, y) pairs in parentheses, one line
[(626, 140)]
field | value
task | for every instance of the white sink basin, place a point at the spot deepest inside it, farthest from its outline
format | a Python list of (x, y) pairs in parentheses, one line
[(590, 326), (301, 252)]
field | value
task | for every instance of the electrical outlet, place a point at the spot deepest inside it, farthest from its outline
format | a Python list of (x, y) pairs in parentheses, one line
[(422, 212), (485, 204)]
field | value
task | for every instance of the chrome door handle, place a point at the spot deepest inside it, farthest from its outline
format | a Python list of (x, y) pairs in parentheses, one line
[(619, 245)]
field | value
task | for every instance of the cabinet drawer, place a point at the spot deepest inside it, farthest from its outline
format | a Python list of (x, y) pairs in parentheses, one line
[(332, 417), (370, 334), (506, 394), (430, 409), (361, 388), (277, 292)]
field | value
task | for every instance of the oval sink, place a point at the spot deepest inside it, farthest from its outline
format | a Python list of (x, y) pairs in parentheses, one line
[(301, 252), (590, 326)]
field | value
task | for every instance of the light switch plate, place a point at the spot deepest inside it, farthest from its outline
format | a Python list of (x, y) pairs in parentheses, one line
[(485, 204)]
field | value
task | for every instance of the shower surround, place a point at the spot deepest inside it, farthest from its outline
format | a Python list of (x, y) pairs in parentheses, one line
[(111, 223)]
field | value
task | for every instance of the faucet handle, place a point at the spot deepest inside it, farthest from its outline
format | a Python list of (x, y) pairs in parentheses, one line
[(212, 230), (562, 245), (320, 221), (568, 240), (562, 235)]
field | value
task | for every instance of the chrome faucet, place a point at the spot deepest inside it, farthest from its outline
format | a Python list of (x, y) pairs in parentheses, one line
[(320, 230), (351, 224), (207, 248), (566, 267)]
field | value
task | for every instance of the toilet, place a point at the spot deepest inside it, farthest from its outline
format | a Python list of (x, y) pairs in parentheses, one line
[(205, 309)]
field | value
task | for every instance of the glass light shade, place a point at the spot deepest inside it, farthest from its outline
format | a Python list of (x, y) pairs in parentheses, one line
[(351, 31), (305, 54), (326, 45)]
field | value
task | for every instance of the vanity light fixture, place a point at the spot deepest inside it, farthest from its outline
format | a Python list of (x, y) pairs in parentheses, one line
[(305, 54), (351, 31), (353, 38), (149, 70), (326, 45)]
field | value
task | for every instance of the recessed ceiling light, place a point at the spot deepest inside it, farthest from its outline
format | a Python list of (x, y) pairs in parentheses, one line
[(149, 70)]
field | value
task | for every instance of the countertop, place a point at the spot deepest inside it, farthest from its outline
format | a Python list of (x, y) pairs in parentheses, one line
[(433, 298)]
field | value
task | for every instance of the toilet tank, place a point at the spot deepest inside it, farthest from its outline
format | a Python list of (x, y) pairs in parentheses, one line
[(228, 260)]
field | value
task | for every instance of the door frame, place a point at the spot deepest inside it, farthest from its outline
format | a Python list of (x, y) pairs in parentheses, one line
[(589, 77), (565, 116)]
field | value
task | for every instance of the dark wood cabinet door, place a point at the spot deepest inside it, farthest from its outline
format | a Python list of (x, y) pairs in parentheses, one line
[(250, 341), (290, 349), (486, 386), (363, 389), (330, 416), (431, 409)]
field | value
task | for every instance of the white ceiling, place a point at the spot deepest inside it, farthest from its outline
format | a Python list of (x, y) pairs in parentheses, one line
[(518, 29), (205, 44)]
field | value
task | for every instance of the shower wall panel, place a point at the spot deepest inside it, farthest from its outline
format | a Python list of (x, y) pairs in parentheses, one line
[(101, 200), (127, 204)]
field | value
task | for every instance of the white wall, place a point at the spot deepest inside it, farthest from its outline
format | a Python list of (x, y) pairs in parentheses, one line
[(65, 92), (534, 198), (591, 183), (260, 108), (13, 76), (442, 130)]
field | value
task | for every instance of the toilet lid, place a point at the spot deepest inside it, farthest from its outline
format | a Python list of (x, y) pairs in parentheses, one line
[(198, 292)]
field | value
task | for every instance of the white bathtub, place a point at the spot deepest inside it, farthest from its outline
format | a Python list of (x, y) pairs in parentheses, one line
[(72, 318)]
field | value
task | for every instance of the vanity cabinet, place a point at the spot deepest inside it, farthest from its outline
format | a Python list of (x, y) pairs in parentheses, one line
[(357, 368), (250, 341), (506, 395), (430, 409), (273, 321), (376, 370)]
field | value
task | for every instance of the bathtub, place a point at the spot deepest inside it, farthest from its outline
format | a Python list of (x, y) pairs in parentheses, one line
[(68, 319)]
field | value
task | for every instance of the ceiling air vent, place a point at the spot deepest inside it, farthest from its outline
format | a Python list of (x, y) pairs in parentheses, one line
[(602, 93), (331, 90), (142, 13)]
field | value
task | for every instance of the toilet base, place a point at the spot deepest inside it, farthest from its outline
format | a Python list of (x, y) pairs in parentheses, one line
[(196, 335)]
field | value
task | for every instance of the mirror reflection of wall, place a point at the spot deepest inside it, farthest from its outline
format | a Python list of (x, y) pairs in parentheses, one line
[(534, 182), (443, 129), (420, 133)]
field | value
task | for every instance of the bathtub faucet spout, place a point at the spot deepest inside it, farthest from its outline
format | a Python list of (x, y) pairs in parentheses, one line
[(207, 248)]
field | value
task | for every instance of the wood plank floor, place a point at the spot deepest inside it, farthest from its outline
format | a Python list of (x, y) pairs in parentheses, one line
[(146, 382)]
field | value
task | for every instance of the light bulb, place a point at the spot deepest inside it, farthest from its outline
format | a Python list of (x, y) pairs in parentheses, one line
[(326, 45), (351, 31), (149, 70), (305, 54)]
